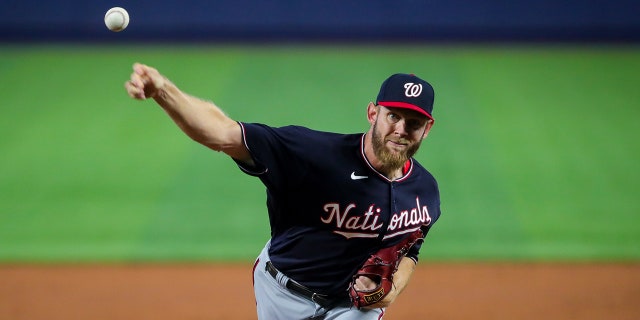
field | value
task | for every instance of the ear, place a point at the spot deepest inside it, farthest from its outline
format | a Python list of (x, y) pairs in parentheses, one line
[(372, 113), (427, 128)]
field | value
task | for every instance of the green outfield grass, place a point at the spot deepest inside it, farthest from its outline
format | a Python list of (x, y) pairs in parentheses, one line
[(535, 148)]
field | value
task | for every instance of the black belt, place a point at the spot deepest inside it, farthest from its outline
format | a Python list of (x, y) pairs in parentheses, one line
[(323, 300)]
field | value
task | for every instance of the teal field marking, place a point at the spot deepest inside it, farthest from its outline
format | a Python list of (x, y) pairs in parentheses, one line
[(535, 148)]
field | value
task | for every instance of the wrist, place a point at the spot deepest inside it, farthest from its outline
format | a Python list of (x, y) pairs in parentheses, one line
[(162, 86)]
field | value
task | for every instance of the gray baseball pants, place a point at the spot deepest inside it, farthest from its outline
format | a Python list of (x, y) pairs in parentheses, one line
[(274, 301)]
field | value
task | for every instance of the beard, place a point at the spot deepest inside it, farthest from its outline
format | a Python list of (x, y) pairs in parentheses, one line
[(392, 160)]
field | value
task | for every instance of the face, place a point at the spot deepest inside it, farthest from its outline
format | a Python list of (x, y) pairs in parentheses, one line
[(397, 134)]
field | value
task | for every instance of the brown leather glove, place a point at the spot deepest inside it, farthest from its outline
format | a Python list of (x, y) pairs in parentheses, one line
[(380, 268)]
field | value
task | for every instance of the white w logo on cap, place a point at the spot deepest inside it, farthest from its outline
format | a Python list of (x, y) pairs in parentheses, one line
[(412, 89)]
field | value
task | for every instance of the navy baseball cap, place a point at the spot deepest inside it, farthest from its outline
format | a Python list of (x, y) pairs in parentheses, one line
[(406, 91)]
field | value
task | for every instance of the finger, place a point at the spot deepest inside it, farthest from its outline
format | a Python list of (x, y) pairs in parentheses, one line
[(147, 79), (143, 76), (138, 68), (366, 283), (136, 80), (140, 82), (134, 90), (144, 71)]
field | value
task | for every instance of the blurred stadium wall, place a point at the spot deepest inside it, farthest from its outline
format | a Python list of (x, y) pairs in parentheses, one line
[(325, 20)]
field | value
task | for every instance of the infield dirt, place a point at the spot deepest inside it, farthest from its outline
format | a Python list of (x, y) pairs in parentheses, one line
[(217, 291)]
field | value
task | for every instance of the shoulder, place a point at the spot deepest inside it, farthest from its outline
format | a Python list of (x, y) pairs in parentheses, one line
[(298, 135), (423, 174)]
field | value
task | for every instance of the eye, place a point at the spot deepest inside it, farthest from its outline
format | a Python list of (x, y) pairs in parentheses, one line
[(392, 117), (414, 124)]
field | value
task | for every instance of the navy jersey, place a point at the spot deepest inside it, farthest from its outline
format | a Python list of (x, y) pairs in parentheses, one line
[(329, 209)]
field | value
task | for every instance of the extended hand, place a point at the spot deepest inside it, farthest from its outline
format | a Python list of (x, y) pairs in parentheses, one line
[(145, 82)]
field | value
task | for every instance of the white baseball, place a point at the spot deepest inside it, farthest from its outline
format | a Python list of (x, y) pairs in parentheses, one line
[(116, 19)]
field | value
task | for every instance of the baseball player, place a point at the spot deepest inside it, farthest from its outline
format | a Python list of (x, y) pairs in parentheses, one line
[(335, 201)]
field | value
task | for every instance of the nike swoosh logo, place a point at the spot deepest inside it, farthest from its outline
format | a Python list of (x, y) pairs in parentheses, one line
[(354, 177)]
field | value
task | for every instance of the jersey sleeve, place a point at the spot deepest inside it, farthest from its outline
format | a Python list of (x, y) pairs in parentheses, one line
[(414, 251), (275, 152)]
